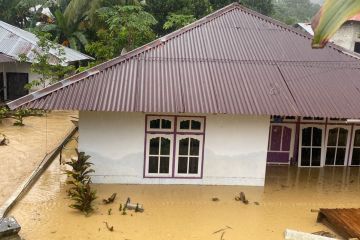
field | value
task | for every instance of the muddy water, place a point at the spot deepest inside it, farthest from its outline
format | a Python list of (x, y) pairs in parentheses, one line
[(187, 212), (28, 146)]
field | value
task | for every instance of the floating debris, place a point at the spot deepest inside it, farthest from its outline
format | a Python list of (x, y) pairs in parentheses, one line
[(8, 227), (222, 229), (109, 211), (242, 198), (110, 228), (324, 234), (111, 199), (215, 199), (131, 206)]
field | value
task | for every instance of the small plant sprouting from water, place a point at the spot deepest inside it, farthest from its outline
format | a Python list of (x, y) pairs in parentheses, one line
[(80, 191), (20, 114)]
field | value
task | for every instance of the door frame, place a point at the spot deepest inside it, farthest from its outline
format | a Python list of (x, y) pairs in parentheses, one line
[(347, 149), (322, 158), (292, 126)]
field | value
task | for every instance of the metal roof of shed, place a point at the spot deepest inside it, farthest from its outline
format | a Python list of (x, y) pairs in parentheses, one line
[(15, 41), (234, 61)]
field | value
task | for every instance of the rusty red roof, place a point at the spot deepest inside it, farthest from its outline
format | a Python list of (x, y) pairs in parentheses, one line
[(234, 61)]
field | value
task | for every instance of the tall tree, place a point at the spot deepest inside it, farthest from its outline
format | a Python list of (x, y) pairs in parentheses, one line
[(263, 6), (67, 24), (22, 13), (162, 10), (127, 27), (294, 11)]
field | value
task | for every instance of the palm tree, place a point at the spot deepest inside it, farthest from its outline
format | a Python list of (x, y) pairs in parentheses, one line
[(67, 24), (330, 18)]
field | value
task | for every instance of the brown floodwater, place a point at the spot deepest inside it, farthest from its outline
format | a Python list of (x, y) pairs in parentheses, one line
[(187, 212), (28, 146)]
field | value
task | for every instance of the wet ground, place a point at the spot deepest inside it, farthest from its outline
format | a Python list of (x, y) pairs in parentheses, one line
[(28, 146), (188, 212)]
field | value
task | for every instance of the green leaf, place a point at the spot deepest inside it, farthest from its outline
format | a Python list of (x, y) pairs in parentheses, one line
[(330, 18), (49, 27)]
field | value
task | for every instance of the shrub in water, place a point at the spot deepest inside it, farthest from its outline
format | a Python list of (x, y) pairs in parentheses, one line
[(79, 180)]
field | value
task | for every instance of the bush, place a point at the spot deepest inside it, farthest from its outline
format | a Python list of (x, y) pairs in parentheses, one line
[(80, 191), (20, 114), (83, 197)]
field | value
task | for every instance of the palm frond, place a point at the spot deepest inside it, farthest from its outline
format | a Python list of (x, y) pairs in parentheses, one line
[(330, 18)]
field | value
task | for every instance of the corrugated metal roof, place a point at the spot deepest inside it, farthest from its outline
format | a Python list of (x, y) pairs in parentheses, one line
[(15, 41), (234, 61)]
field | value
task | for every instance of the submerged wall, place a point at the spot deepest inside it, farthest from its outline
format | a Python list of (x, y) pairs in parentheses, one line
[(235, 149)]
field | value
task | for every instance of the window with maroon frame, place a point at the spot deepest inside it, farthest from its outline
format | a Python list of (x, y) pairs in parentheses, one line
[(174, 146)]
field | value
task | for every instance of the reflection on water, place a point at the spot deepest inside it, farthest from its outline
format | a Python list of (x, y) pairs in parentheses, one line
[(336, 179), (53, 179)]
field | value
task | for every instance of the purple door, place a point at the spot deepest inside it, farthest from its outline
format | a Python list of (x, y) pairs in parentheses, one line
[(279, 144)]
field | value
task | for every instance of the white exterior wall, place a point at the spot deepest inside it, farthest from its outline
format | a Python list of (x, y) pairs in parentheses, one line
[(18, 67), (235, 149)]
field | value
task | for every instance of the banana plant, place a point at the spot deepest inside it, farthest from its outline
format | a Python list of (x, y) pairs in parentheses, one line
[(330, 18)]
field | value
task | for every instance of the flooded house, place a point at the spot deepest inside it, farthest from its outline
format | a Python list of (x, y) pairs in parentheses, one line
[(213, 103), (15, 74)]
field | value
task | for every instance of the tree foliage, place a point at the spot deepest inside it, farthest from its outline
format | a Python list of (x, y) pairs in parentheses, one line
[(49, 63), (176, 21), (295, 11), (127, 27), (162, 10)]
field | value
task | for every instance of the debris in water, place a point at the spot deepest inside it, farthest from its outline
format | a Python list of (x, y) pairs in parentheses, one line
[(131, 206), (243, 198), (215, 199), (3, 140), (110, 228), (109, 211), (223, 229), (324, 234), (8, 227), (110, 199), (292, 235), (257, 203)]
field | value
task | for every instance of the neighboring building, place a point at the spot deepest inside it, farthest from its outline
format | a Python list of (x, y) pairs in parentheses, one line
[(213, 103), (348, 36), (14, 75)]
